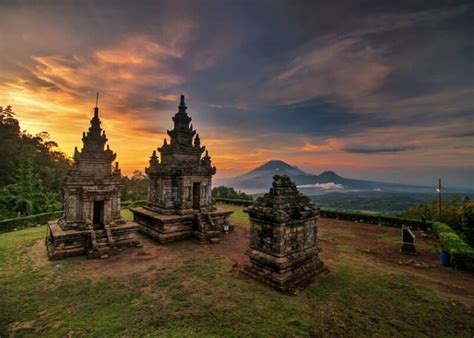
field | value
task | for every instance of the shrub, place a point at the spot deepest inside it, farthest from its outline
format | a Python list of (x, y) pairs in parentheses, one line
[(132, 204), (23, 222), (467, 213), (462, 255), (234, 201), (32, 220), (230, 193)]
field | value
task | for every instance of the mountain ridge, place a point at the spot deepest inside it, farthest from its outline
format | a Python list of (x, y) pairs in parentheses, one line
[(260, 180)]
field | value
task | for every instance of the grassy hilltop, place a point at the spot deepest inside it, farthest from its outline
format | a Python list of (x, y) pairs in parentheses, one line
[(188, 289)]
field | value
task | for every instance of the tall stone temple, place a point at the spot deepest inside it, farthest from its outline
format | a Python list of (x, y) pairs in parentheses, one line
[(179, 196), (91, 223), (284, 247)]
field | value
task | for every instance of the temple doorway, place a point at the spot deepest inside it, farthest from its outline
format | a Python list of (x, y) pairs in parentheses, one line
[(196, 195), (98, 215)]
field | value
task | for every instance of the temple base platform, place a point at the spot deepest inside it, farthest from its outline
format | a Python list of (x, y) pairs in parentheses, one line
[(204, 226), (95, 243), (285, 273)]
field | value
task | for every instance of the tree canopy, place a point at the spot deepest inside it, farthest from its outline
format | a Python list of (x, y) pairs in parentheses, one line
[(31, 169)]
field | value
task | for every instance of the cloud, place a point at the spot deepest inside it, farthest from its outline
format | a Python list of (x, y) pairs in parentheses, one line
[(459, 134), (292, 80), (323, 186), (374, 149), (342, 69)]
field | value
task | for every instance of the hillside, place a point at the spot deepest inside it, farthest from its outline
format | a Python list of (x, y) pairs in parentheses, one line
[(189, 289)]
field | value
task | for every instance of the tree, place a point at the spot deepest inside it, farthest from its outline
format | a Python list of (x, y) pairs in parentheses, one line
[(459, 215), (136, 187), (467, 214), (31, 169), (9, 145), (229, 192)]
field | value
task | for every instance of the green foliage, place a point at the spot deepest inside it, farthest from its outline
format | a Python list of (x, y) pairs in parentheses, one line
[(383, 202), (467, 212), (31, 172), (456, 213), (429, 210), (28, 221), (9, 145), (133, 204), (136, 187), (376, 219), (462, 255), (230, 193), (234, 201)]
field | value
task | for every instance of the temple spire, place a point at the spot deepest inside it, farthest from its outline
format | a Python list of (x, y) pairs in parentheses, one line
[(182, 105), (96, 108)]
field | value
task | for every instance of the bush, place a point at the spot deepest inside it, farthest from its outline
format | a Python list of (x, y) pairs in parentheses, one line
[(462, 255), (133, 204), (230, 193), (23, 222), (234, 201), (467, 213), (43, 218)]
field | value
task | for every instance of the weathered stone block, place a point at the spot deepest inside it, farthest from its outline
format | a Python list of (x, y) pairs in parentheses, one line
[(284, 247)]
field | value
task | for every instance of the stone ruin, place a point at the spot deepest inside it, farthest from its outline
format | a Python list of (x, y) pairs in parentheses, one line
[(179, 195), (91, 223), (284, 244), (408, 241)]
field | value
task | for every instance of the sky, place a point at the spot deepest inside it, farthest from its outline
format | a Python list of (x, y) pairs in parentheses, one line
[(380, 90)]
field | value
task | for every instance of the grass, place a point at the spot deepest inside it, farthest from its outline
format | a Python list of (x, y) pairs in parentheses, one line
[(239, 217), (127, 214), (200, 296)]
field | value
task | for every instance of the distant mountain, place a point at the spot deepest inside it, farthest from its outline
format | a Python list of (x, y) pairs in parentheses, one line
[(260, 179)]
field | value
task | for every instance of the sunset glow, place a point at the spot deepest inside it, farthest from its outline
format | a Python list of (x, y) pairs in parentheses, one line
[(352, 97)]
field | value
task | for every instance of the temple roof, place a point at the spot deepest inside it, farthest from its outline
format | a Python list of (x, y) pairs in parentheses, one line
[(283, 203), (94, 142), (184, 152)]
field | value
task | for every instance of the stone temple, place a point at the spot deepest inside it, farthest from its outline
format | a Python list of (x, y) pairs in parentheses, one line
[(91, 223), (284, 247), (179, 196)]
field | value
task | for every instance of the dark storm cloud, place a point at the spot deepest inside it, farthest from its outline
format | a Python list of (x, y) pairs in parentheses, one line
[(318, 118), (370, 149)]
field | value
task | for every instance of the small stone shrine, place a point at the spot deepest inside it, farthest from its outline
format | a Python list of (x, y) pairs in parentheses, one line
[(284, 244), (179, 195), (408, 242), (91, 223)]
